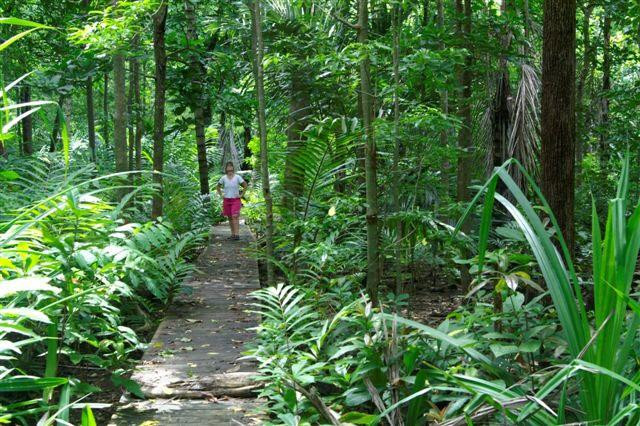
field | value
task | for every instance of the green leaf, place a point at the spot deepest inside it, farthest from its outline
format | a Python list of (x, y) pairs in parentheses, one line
[(8, 175), (25, 384), (358, 418), (502, 350), (28, 313), (530, 346), (87, 417), (11, 287)]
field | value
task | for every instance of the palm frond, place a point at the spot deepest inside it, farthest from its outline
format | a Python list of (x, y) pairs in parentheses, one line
[(525, 128)]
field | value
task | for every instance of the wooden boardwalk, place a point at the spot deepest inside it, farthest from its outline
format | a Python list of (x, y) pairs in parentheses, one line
[(191, 373)]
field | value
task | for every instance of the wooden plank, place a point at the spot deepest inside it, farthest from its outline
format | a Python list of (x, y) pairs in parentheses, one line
[(196, 349)]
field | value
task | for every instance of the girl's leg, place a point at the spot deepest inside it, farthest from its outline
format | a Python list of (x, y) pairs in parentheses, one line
[(236, 225), (231, 225)]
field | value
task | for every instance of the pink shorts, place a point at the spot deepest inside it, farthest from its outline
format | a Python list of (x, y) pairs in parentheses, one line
[(231, 207)]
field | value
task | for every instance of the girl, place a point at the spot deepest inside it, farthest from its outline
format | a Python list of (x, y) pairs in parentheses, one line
[(231, 203)]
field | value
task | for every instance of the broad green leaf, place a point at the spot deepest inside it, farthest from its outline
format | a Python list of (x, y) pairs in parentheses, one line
[(11, 287)]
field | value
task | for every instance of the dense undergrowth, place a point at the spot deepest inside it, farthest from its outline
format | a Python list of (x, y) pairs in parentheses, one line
[(82, 277), (525, 348)]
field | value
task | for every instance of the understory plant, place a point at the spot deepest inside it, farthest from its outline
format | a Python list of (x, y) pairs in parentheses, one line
[(77, 286), (599, 343)]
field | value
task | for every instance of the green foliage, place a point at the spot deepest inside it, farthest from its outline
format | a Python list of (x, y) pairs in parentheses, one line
[(75, 280)]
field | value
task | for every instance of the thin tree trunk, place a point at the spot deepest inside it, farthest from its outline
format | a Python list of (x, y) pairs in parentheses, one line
[(198, 97), (120, 117), (160, 56), (137, 116), (373, 255), (130, 119), (298, 112), (558, 112), (606, 87), (587, 62), (425, 12), (246, 150), (105, 110), (91, 125), (444, 94), (27, 123), (262, 124), (55, 132), (395, 190), (465, 140)]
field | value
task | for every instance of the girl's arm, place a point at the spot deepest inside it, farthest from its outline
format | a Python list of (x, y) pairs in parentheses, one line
[(244, 188), (219, 190)]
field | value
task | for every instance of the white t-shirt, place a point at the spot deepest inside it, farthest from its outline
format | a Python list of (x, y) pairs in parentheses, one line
[(231, 187)]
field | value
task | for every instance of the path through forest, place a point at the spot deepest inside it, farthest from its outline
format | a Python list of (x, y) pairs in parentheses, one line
[(191, 373)]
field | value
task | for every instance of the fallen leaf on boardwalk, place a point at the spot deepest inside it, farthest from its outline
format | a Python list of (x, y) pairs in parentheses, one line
[(185, 339), (237, 341), (209, 397), (192, 321), (206, 345), (150, 423), (188, 348), (236, 409), (158, 345), (213, 353), (192, 365)]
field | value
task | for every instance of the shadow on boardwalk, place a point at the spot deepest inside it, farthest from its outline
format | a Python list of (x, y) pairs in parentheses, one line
[(191, 373)]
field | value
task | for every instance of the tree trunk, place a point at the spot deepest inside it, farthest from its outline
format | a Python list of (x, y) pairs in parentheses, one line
[(130, 120), (91, 125), (246, 150), (606, 87), (465, 140), (444, 94), (558, 112), (55, 132), (587, 62), (425, 12), (298, 112), (105, 110), (395, 190), (137, 116), (120, 118), (198, 96), (262, 124), (160, 56), (373, 255), (27, 123)]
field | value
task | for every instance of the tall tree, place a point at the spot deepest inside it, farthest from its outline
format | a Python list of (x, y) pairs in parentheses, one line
[(299, 101), (27, 123), (160, 57), (258, 73), (586, 69), (465, 139), (91, 125), (120, 116), (606, 84), (198, 74), (395, 189), (465, 74), (558, 112), (105, 109), (370, 166)]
